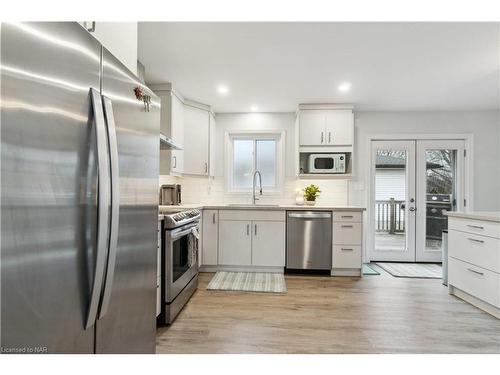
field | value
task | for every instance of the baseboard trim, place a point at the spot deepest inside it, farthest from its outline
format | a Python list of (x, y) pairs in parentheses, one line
[(347, 272), (480, 304), (242, 269)]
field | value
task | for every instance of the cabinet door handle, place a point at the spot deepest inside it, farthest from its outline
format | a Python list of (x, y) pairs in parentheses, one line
[(475, 240), (476, 272), (175, 161), (329, 137), (248, 229), (206, 167), (347, 216), (475, 226), (346, 249), (321, 137), (255, 229), (347, 226), (213, 218)]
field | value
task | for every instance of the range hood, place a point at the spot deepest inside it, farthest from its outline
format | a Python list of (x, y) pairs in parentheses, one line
[(167, 143)]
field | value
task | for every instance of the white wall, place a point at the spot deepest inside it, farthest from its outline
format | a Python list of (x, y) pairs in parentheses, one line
[(484, 125), (120, 38), (202, 189)]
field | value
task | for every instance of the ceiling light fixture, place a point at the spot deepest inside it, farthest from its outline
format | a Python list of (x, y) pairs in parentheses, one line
[(254, 108), (344, 86), (222, 89)]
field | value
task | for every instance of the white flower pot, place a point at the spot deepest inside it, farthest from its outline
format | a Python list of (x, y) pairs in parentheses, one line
[(310, 203)]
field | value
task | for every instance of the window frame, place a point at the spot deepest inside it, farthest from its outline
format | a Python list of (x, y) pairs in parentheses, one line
[(277, 135)]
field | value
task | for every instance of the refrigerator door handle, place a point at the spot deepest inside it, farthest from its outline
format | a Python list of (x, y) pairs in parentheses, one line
[(115, 205), (102, 206)]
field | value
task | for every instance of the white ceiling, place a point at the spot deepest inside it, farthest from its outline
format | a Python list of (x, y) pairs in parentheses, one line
[(392, 66)]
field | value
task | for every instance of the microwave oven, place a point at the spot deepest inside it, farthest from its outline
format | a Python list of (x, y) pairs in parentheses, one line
[(327, 163)]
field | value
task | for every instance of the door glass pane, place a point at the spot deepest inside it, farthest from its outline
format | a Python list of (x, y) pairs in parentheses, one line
[(242, 163), (266, 161), (390, 200), (440, 194)]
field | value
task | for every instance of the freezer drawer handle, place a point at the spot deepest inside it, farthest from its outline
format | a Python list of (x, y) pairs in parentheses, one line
[(346, 249), (115, 205), (347, 226), (103, 202)]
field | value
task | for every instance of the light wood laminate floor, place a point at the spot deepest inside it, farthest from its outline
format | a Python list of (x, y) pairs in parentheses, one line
[(374, 314)]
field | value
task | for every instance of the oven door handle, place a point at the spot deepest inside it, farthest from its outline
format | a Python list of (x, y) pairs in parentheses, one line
[(177, 235)]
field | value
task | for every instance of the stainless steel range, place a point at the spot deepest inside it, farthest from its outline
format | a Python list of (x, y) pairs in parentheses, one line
[(179, 261)]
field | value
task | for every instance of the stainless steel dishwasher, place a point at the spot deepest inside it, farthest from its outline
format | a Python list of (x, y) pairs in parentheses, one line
[(308, 240)]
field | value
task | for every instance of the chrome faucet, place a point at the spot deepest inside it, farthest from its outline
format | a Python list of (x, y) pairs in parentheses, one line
[(254, 198)]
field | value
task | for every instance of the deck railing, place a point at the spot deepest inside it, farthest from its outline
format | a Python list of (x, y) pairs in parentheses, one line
[(390, 216)]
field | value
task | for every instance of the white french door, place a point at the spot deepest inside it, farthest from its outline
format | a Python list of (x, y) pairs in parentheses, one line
[(412, 182), (440, 186)]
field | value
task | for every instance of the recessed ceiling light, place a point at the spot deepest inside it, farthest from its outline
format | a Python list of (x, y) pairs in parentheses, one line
[(344, 86), (254, 108), (222, 89)]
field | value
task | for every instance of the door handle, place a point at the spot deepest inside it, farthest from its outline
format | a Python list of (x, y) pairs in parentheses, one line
[(346, 249), (255, 229), (476, 272), (103, 201), (213, 218), (321, 137), (329, 137), (175, 161), (475, 240), (347, 226), (475, 226), (115, 205), (206, 167), (412, 209)]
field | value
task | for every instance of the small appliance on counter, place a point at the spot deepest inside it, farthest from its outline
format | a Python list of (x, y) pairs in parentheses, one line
[(170, 195)]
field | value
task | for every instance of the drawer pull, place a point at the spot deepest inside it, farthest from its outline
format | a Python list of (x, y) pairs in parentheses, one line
[(475, 240), (346, 249), (476, 272), (347, 216), (475, 226), (347, 226)]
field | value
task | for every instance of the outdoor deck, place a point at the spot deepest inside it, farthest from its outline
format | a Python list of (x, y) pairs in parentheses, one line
[(396, 241)]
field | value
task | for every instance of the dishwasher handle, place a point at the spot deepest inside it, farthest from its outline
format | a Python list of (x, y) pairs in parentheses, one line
[(310, 215)]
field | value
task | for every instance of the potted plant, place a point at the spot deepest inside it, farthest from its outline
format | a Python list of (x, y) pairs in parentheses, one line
[(311, 192)]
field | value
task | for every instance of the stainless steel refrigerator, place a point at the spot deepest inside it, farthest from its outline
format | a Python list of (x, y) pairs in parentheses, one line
[(79, 195)]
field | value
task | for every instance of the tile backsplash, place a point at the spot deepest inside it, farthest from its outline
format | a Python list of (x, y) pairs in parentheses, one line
[(206, 190)]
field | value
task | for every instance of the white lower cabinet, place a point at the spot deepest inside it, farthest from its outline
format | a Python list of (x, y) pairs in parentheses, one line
[(268, 247), (251, 238), (347, 252), (474, 262), (235, 243), (209, 237)]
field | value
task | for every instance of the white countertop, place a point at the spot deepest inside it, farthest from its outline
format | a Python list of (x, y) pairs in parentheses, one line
[(260, 207), (477, 215)]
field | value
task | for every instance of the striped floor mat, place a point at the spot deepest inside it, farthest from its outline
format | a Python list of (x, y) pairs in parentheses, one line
[(413, 270), (248, 282)]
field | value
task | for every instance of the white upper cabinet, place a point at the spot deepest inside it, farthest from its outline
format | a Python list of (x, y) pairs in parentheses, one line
[(319, 127), (339, 128), (312, 128), (211, 158), (197, 136), (177, 134)]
